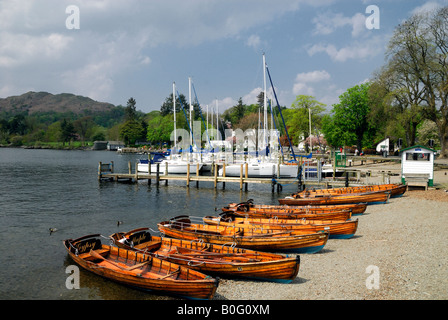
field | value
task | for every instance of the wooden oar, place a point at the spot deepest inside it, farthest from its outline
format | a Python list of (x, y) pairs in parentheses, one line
[(98, 256)]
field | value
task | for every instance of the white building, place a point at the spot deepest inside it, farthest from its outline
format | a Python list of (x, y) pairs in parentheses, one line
[(417, 162)]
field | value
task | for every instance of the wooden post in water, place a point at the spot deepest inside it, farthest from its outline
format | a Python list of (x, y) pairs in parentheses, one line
[(158, 174), (188, 174), (197, 174), (224, 175), (215, 175), (246, 174), (241, 177), (136, 172), (99, 170)]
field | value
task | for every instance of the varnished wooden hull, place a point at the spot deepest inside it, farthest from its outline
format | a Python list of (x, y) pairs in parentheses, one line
[(355, 208), (249, 207), (367, 197), (338, 229), (340, 215), (124, 266), (267, 240), (212, 258), (395, 190)]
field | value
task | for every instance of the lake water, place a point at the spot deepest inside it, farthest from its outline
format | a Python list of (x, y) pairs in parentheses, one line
[(42, 189)]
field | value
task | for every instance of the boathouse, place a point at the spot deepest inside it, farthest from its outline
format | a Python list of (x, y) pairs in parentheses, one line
[(417, 166)]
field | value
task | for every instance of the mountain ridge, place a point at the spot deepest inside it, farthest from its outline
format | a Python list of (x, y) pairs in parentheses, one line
[(32, 102)]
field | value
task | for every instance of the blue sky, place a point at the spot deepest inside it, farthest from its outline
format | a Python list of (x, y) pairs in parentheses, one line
[(138, 48)]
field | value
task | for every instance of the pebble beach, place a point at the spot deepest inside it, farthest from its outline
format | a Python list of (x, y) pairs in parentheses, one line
[(399, 252)]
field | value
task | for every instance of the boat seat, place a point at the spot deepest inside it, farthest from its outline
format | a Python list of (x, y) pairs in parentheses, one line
[(86, 256), (148, 245)]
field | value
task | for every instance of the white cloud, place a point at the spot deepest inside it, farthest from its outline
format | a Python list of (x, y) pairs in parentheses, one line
[(253, 41), (19, 49), (224, 104), (303, 80), (426, 7), (359, 50), (329, 22), (251, 97), (313, 76)]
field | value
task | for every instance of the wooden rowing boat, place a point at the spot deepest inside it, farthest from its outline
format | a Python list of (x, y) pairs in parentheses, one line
[(338, 229), (252, 209), (265, 240), (395, 190), (210, 258), (138, 270), (337, 215), (329, 199)]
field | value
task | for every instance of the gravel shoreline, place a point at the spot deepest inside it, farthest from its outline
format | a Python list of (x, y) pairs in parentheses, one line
[(404, 239)]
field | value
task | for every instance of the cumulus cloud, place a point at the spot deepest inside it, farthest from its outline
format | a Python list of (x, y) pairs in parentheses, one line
[(327, 23), (358, 50), (19, 49), (303, 82), (426, 7)]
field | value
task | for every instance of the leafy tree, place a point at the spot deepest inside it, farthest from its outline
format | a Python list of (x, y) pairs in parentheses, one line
[(160, 128), (167, 106), (67, 131), (420, 47), (349, 122), (235, 113), (130, 110), (17, 125), (131, 131), (82, 125), (297, 117)]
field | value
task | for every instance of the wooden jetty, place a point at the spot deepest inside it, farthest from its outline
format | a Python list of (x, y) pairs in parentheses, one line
[(106, 172)]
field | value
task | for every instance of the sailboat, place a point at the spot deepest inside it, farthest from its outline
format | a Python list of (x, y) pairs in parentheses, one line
[(265, 165), (176, 163)]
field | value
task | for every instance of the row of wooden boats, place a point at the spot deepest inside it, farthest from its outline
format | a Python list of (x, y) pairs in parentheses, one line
[(245, 240), (332, 196)]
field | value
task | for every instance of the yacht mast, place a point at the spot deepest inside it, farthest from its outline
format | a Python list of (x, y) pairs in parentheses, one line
[(191, 111), (174, 111), (265, 104)]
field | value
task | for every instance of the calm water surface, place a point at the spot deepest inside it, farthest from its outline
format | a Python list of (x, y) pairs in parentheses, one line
[(42, 189)]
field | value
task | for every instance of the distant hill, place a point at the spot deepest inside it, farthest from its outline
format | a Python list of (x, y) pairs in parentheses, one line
[(32, 102)]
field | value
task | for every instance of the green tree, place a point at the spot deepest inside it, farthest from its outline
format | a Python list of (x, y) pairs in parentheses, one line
[(298, 117), (82, 125), (420, 46), (235, 113), (160, 128), (167, 106), (131, 110), (131, 131), (67, 131), (349, 122)]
